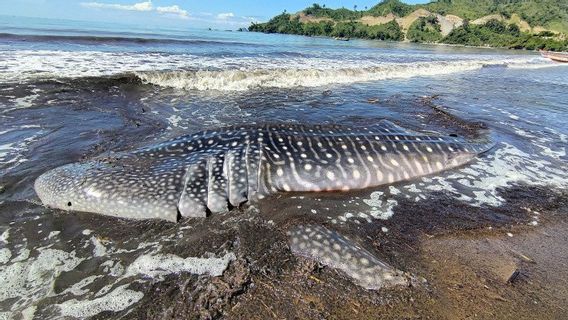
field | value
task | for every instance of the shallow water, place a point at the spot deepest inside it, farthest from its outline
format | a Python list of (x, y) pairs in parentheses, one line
[(67, 93)]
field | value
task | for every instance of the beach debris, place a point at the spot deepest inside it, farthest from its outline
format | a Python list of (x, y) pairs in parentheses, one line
[(339, 252), (514, 276), (522, 256)]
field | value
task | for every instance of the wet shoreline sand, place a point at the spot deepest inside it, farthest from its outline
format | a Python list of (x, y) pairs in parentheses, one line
[(471, 271)]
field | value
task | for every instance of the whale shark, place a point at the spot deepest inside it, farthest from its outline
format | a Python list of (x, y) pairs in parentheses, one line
[(215, 170)]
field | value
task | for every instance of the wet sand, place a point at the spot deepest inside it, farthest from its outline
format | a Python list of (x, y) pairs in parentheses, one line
[(462, 270)]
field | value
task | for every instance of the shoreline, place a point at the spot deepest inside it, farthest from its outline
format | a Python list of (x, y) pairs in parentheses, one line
[(406, 41)]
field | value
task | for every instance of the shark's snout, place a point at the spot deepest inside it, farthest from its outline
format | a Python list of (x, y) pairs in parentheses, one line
[(61, 187)]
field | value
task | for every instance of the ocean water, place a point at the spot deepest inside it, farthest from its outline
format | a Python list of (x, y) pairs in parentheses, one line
[(70, 91)]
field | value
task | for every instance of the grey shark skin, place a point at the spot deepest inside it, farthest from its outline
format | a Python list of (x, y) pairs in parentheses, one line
[(214, 170)]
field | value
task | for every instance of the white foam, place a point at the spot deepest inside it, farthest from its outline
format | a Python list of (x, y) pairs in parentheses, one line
[(118, 299), (476, 184), (30, 277), (30, 280), (247, 79), (53, 234), (23, 255), (5, 255), (12, 154), (158, 265), (507, 166), (195, 72), (28, 313), (557, 154), (25, 102), (4, 236), (175, 121), (98, 247), (380, 208), (114, 268), (5, 150), (78, 289)]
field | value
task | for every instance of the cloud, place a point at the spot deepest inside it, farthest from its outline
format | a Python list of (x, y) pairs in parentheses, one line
[(224, 16), (140, 6), (173, 10)]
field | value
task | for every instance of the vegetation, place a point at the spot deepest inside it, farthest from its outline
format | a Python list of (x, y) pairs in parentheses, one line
[(552, 14), (391, 6), (318, 20), (425, 29), (336, 14), (496, 33), (284, 23)]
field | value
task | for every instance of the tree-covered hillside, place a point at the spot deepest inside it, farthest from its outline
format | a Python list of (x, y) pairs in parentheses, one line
[(499, 26), (551, 14)]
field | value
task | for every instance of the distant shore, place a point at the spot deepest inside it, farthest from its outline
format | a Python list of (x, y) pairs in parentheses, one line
[(419, 26)]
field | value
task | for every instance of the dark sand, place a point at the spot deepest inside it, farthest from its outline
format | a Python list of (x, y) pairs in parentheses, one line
[(463, 269)]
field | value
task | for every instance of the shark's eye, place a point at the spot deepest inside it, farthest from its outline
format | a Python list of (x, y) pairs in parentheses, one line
[(69, 203)]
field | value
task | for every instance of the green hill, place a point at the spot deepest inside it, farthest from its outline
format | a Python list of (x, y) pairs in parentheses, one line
[(395, 7), (528, 24), (550, 14)]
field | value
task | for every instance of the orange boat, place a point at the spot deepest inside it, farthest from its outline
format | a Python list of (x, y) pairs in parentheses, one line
[(555, 56)]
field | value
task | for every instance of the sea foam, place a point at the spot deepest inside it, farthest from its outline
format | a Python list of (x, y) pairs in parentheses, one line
[(248, 79), (196, 72)]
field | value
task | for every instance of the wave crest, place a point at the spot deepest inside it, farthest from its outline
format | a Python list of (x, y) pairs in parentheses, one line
[(242, 80)]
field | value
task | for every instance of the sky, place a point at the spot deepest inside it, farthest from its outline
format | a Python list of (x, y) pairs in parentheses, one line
[(228, 14)]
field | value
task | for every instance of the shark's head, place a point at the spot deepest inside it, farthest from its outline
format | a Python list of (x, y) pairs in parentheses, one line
[(63, 187), (100, 188)]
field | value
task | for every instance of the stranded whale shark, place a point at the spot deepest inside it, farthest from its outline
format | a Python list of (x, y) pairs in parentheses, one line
[(215, 170)]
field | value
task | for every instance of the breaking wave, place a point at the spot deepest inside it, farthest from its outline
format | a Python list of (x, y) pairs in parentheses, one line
[(233, 73), (242, 80)]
